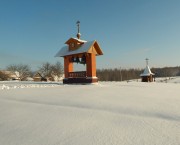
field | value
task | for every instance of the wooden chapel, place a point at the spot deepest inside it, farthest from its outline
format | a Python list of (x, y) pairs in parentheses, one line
[(147, 75), (81, 52)]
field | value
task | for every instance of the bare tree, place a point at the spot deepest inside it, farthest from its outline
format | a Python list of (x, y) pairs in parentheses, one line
[(118, 74), (45, 69), (3, 76), (23, 70), (127, 74), (57, 69), (51, 70)]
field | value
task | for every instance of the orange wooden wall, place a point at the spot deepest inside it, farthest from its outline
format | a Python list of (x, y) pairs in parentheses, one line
[(68, 66), (91, 65)]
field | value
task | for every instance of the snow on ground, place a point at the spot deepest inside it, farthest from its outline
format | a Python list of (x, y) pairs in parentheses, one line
[(108, 113), (169, 80), (20, 84)]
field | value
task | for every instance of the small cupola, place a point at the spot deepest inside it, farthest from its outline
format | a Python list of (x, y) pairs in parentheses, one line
[(75, 43), (147, 75)]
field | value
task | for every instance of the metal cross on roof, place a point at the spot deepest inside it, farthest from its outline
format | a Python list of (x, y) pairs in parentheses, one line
[(78, 34), (78, 24), (147, 61)]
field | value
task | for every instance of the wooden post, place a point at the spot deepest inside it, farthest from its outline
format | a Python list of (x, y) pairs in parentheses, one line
[(68, 66), (91, 65)]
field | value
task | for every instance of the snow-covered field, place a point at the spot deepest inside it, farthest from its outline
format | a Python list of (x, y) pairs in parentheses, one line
[(108, 113)]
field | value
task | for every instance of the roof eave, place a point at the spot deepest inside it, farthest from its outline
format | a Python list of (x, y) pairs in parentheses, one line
[(145, 75), (99, 50)]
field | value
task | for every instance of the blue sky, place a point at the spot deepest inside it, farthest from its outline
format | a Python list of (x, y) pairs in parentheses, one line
[(128, 31)]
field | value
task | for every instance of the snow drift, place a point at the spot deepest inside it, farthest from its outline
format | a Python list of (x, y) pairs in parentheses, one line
[(107, 113)]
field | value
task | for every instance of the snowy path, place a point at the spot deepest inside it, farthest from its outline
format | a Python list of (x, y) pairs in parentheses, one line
[(103, 114)]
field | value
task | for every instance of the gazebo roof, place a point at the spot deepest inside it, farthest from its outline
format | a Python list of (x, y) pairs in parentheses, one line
[(147, 72), (86, 47)]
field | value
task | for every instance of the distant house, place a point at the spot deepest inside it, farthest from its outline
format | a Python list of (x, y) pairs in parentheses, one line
[(38, 77), (11, 75), (147, 75)]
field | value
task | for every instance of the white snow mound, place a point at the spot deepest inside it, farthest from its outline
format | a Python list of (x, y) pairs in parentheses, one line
[(108, 113)]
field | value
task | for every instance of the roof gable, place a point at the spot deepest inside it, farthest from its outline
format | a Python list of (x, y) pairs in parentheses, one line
[(86, 47), (37, 75)]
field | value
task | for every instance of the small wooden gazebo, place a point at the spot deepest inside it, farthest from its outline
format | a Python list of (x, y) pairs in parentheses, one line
[(147, 75), (82, 52)]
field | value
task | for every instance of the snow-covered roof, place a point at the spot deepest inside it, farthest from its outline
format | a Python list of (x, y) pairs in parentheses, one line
[(85, 47), (11, 74), (147, 72), (76, 39)]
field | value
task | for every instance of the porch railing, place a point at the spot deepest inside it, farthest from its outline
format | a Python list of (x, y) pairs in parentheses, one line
[(78, 74)]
